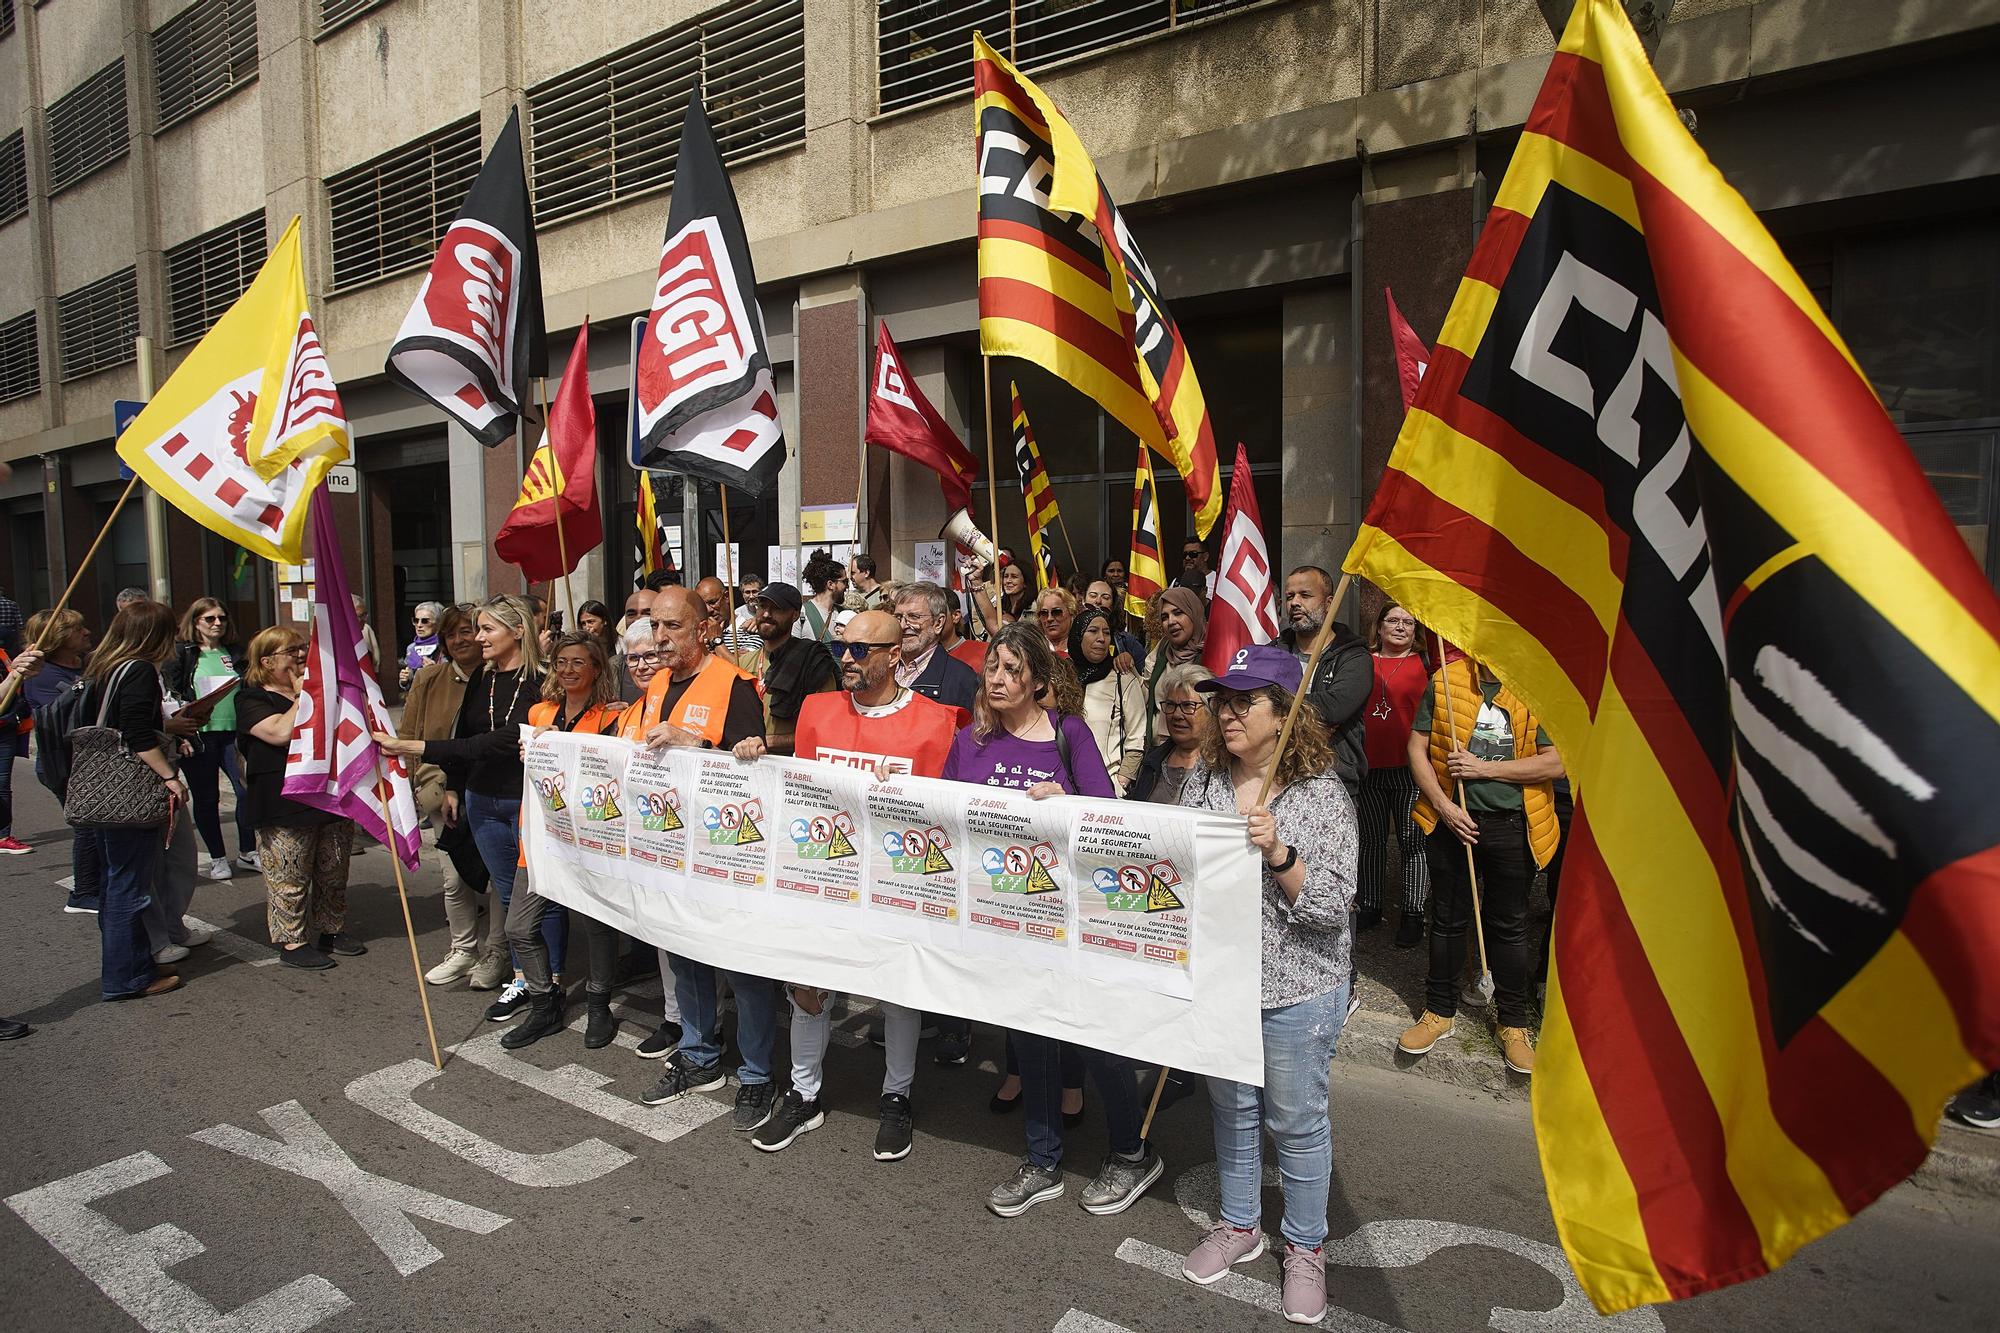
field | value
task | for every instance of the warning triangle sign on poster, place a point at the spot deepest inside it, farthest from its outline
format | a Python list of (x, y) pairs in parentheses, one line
[(841, 845), (1160, 898), (1040, 880), (666, 821), (748, 831), (609, 810), (934, 861)]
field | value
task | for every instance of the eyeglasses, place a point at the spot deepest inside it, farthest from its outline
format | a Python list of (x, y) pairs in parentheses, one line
[(286, 652), (644, 659), (915, 617), (856, 651), (1398, 622), (1235, 705), (1181, 707), (214, 620), (1048, 613)]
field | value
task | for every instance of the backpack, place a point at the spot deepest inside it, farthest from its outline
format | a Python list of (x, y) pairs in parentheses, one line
[(54, 721)]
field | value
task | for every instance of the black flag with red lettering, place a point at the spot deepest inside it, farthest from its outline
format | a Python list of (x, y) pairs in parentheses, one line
[(475, 338), (706, 405)]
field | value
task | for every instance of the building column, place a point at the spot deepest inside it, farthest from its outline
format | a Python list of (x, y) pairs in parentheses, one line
[(1316, 427), (832, 320)]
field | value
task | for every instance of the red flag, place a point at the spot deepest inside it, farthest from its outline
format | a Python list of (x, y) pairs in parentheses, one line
[(1412, 357), (562, 473), (1243, 610), (902, 420)]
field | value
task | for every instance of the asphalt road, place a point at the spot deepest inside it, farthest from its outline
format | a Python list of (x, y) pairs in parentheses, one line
[(273, 1146)]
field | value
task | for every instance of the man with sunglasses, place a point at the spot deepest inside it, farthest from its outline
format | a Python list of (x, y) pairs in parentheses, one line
[(886, 728), (788, 668), (1195, 572)]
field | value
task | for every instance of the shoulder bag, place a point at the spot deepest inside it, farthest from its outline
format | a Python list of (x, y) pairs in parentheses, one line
[(108, 787)]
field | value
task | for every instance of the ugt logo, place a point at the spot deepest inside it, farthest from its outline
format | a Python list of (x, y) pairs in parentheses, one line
[(700, 335), (468, 296)]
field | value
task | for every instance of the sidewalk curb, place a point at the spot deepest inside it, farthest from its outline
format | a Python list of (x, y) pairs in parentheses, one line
[(1963, 1161)]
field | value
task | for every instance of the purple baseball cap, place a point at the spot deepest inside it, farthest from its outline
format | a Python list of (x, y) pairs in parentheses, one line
[(1257, 666)]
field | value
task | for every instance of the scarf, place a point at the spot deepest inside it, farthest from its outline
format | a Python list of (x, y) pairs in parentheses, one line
[(1087, 671), (1188, 602)]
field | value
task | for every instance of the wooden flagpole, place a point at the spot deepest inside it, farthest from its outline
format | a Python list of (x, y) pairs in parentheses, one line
[(1063, 523), (403, 894), (728, 565), (1458, 790), (555, 470), (62, 602)]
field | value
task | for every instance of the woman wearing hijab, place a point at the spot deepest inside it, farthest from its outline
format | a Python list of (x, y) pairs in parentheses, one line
[(1183, 630), (1114, 703)]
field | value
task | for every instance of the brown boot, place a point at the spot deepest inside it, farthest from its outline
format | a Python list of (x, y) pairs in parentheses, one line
[(1427, 1032), (160, 986), (1516, 1050)]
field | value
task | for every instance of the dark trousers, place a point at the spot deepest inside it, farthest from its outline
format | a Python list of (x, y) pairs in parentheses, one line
[(131, 859), (11, 744), (1506, 868), (86, 864), (1041, 1093), (214, 755), (1554, 870)]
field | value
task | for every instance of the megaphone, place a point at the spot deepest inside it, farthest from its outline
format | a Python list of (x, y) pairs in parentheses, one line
[(961, 529)]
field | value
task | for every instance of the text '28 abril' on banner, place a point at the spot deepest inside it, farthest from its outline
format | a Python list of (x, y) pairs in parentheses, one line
[(1645, 481)]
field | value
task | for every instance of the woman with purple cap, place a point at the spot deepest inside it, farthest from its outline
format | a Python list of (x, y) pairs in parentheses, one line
[(1305, 832)]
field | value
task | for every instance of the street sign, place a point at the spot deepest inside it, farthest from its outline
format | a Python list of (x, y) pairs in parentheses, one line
[(124, 411), (342, 479)]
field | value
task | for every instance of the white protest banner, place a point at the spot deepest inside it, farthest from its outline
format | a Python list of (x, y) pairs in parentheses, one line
[(970, 901)]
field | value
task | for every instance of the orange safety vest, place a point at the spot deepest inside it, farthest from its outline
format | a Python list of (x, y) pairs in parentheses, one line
[(701, 709), (1537, 798), (597, 720)]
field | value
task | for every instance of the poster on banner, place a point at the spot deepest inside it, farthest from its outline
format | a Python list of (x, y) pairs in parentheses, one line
[(599, 792), (655, 787), (1017, 880), (731, 847), (1132, 891), (914, 857), (930, 563), (550, 785), (819, 860)]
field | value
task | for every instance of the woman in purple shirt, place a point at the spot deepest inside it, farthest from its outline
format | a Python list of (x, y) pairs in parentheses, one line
[(1016, 741)]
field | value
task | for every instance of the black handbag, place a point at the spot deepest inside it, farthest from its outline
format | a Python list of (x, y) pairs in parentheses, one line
[(108, 787)]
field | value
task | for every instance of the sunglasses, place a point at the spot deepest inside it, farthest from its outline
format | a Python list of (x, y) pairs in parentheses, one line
[(854, 652), (1048, 612), (1195, 554), (214, 620)]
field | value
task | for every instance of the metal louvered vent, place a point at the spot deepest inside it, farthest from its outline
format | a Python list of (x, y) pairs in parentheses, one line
[(924, 47), (95, 324), (87, 126), (333, 13), (612, 129), (13, 175), (20, 358), (388, 215), (206, 275), (6, 18), (202, 54)]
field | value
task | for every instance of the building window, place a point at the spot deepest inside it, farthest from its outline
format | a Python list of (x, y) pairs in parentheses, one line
[(13, 176), (96, 324), (87, 126), (924, 47), (6, 18), (203, 54), (388, 215), (333, 13), (206, 275), (20, 358), (611, 129)]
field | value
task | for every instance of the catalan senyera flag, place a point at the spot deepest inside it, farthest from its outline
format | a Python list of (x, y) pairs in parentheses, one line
[(1035, 490), (245, 428), (1145, 573), (1062, 282), (1646, 482)]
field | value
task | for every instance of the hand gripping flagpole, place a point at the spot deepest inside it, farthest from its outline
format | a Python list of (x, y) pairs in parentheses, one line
[(1271, 771), (1458, 790), (48, 633), (403, 894)]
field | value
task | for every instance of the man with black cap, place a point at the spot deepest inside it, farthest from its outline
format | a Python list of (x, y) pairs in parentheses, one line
[(788, 668)]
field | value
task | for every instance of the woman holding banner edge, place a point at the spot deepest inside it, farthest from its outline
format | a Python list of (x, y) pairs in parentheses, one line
[(1304, 829)]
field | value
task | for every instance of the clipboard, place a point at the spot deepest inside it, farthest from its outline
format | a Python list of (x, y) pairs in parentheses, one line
[(207, 702)]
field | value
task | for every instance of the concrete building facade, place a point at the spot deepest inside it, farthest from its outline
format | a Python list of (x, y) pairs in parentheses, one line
[(1281, 161)]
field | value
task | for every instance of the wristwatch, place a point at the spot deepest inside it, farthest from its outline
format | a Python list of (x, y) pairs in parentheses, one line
[(1291, 859)]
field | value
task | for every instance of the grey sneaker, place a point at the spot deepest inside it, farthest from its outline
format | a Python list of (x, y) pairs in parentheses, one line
[(1305, 1285), (753, 1105), (1028, 1186), (1120, 1183), (793, 1116), (682, 1079), (1223, 1247)]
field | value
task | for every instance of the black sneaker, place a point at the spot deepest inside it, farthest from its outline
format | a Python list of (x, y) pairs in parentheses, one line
[(1978, 1106), (953, 1048), (753, 1105), (682, 1079), (1410, 930), (792, 1116), (601, 1026), (305, 956), (892, 1137), (82, 904), (666, 1039), (332, 941), (513, 999)]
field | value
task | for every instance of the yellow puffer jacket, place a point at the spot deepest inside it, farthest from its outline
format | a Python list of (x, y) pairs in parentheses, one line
[(1537, 799)]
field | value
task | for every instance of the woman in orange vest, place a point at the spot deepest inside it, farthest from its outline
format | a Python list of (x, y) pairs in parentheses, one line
[(1484, 770), (579, 694)]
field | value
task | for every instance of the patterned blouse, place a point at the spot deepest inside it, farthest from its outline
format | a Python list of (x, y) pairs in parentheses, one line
[(1307, 943)]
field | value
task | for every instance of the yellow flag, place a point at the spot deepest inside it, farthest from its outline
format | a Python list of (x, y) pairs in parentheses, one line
[(248, 425)]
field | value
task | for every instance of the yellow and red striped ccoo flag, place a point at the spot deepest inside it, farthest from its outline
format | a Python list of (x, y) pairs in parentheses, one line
[(1062, 283), (1645, 481), (1145, 574), (1035, 490)]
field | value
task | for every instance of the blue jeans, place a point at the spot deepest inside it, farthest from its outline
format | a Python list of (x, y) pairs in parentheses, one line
[(1298, 1054), (1041, 1061), (496, 831), (131, 857), (86, 865), (756, 1018)]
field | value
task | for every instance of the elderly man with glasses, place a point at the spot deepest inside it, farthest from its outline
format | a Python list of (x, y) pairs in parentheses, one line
[(923, 664)]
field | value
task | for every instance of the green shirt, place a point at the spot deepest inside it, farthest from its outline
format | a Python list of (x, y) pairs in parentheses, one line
[(1492, 738), (215, 662)]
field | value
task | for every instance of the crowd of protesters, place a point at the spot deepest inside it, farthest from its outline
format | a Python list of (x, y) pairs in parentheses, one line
[(1402, 742)]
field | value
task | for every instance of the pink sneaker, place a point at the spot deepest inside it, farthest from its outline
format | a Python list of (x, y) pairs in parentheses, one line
[(11, 846), (1305, 1285), (1221, 1248)]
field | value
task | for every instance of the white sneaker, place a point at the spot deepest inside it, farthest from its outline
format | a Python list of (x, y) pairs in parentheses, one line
[(251, 861), (173, 953), (198, 936), (219, 868), (458, 963)]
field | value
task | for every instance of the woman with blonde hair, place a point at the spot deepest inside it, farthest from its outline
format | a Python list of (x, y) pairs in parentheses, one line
[(1303, 830), (482, 762), (1183, 631), (122, 684), (304, 851), (205, 655)]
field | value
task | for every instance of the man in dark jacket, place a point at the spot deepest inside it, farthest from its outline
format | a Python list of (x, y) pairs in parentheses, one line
[(1340, 686), (925, 667), (789, 667)]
